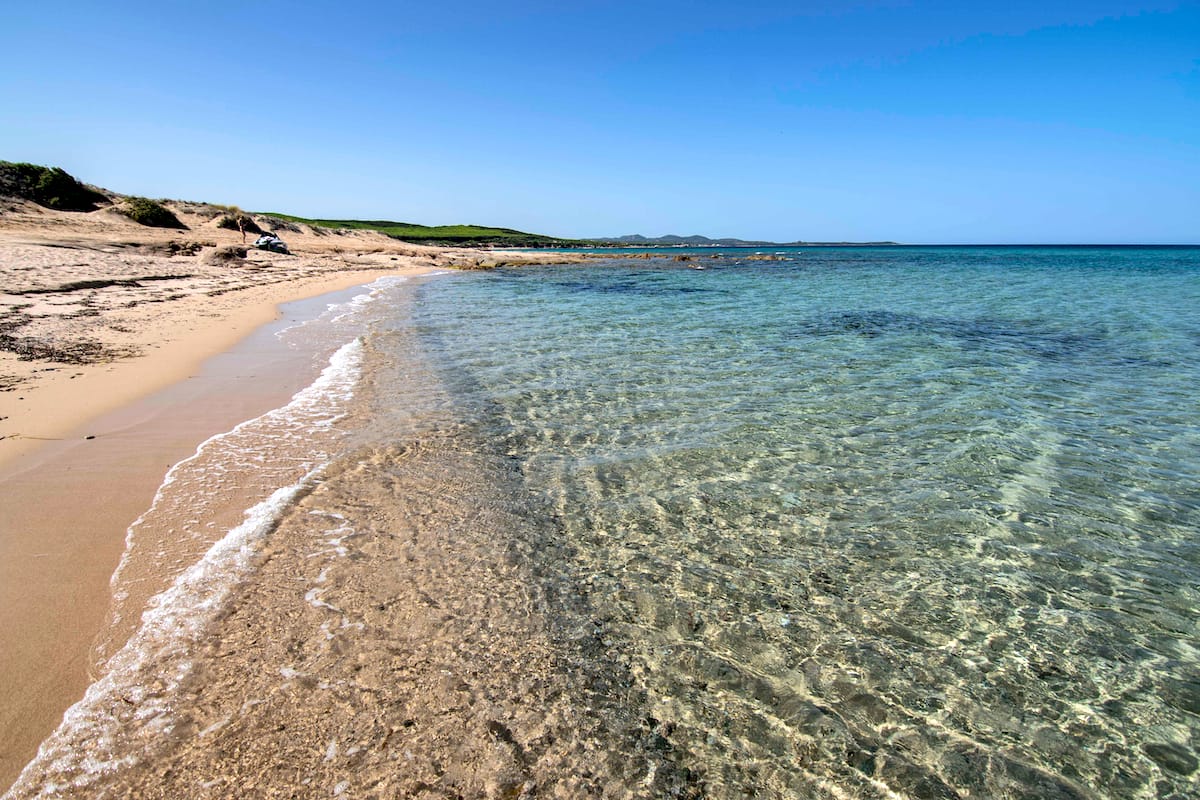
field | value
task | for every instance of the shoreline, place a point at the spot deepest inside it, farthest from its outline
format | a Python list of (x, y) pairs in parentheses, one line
[(52, 410), (94, 304), (377, 624), (68, 502), (122, 349)]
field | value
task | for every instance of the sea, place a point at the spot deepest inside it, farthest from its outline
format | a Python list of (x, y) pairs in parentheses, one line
[(814, 522)]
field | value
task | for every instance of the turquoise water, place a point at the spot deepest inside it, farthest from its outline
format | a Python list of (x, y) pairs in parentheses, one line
[(867, 520)]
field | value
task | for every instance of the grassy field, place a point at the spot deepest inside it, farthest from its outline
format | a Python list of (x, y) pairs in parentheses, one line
[(437, 234)]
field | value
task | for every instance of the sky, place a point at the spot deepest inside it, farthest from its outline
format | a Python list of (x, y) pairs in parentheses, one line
[(927, 121)]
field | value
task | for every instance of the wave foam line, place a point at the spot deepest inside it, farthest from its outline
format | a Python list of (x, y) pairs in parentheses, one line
[(129, 707), (337, 312), (315, 406), (87, 745)]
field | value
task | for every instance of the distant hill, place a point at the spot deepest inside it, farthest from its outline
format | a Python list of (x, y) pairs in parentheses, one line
[(637, 240), (460, 235)]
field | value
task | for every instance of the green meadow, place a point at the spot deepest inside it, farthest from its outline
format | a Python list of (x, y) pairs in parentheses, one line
[(436, 234)]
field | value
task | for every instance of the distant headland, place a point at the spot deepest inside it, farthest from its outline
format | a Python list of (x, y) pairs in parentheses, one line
[(637, 240)]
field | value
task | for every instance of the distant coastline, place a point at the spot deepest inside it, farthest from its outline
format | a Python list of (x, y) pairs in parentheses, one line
[(672, 240), (909, 245)]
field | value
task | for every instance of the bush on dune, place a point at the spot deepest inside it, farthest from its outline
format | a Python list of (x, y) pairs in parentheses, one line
[(51, 187), (147, 212), (239, 221)]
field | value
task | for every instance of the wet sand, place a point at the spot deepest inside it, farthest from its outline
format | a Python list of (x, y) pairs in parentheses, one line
[(66, 507)]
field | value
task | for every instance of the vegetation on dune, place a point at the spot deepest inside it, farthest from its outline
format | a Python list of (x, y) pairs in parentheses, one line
[(54, 188), (150, 213), (51, 187), (434, 234), (239, 221)]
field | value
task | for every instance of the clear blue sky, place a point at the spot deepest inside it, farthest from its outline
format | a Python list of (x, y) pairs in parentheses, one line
[(938, 121)]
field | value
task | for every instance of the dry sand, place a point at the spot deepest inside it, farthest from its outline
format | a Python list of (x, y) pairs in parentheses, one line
[(97, 312)]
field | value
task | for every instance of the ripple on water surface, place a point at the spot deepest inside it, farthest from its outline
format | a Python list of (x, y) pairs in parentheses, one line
[(910, 520), (846, 523)]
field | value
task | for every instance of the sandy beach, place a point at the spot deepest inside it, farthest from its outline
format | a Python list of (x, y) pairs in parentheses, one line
[(94, 304), (102, 324)]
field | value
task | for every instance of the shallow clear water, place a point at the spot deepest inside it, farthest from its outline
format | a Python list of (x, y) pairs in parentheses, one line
[(828, 523), (869, 520)]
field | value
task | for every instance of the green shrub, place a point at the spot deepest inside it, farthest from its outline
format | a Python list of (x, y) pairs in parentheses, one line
[(230, 223), (145, 211), (51, 187)]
